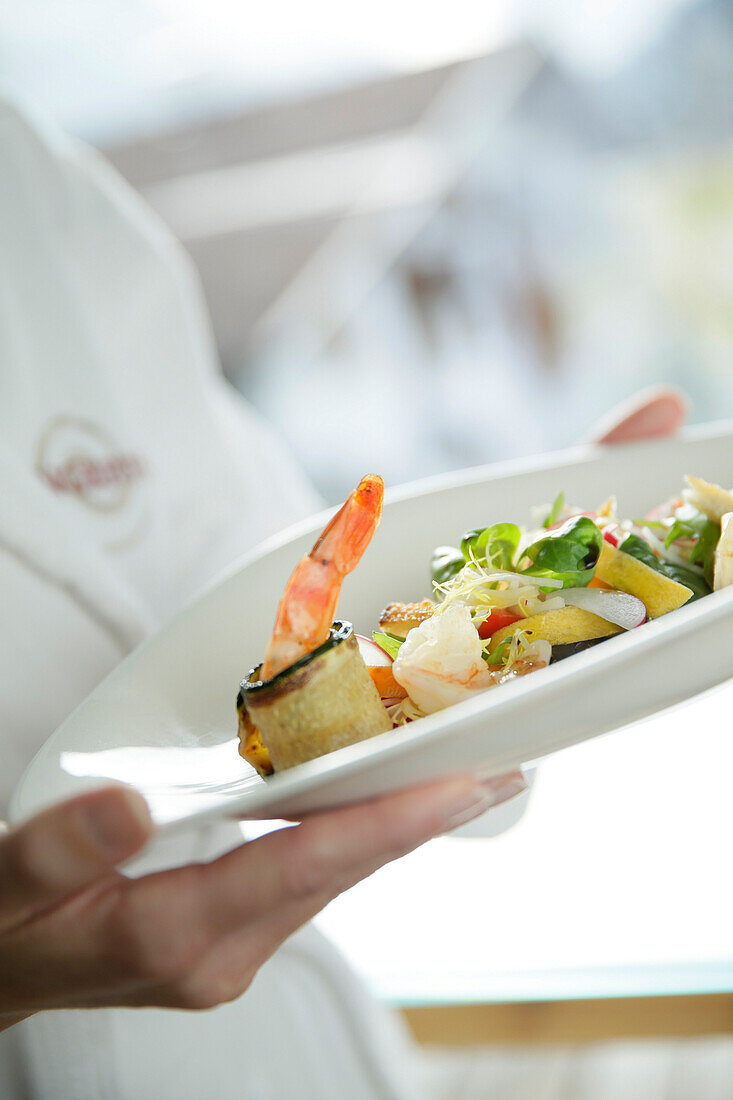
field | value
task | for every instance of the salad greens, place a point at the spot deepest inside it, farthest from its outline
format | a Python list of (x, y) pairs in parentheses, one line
[(390, 643), (554, 514), (492, 546), (507, 577), (642, 551), (707, 534), (498, 653), (446, 562), (570, 553)]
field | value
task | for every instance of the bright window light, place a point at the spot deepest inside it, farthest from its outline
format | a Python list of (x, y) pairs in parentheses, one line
[(109, 69)]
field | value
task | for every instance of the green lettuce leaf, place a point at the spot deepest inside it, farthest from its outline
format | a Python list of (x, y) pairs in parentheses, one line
[(707, 534), (498, 654), (390, 643), (492, 546), (446, 562), (554, 514), (570, 553)]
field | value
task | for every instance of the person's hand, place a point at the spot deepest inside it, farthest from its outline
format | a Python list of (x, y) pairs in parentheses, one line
[(649, 414), (74, 933)]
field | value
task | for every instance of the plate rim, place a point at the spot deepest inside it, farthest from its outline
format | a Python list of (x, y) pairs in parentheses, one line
[(318, 773)]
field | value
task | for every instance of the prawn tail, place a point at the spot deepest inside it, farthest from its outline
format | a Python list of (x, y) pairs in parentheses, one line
[(348, 534), (307, 609)]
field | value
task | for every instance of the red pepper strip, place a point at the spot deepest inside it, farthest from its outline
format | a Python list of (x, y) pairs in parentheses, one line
[(497, 620)]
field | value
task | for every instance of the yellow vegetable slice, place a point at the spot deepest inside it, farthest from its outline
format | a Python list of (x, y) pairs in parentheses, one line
[(400, 618), (658, 593), (251, 746), (569, 624)]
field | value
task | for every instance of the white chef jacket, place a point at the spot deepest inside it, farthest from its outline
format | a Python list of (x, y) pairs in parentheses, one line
[(130, 473)]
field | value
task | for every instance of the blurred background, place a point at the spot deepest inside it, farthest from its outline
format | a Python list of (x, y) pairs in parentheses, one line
[(453, 236), (449, 235)]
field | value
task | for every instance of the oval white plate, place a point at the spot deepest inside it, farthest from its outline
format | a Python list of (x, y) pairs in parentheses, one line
[(165, 720)]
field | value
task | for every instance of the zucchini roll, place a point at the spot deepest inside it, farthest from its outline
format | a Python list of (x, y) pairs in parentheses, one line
[(322, 702)]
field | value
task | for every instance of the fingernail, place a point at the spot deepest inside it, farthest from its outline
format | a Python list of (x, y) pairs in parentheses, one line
[(115, 822), (486, 793)]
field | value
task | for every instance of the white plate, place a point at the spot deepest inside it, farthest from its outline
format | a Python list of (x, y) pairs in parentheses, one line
[(165, 720)]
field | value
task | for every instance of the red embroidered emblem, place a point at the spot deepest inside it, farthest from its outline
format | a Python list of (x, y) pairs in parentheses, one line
[(76, 456)]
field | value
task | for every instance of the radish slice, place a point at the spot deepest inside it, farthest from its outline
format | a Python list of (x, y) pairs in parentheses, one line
[(372, 654), (615, 607)]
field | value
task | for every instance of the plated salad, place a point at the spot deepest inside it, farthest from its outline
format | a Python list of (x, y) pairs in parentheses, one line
[(507, 601)]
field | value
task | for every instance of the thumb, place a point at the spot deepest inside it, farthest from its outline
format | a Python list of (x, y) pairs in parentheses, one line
[(67, 847), (649, 414)]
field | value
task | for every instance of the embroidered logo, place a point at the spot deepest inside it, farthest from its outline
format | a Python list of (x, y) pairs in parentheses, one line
[(78, 457)]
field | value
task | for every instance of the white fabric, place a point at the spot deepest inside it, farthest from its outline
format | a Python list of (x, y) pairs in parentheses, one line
[(129, 474)]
